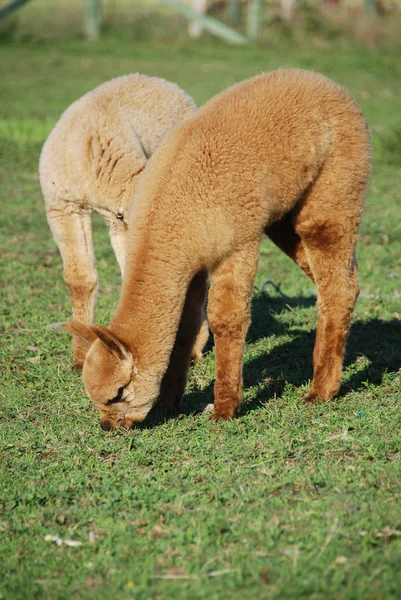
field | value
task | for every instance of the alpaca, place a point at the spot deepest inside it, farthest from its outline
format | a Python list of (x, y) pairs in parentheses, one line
[(91, 162), (285, 153)]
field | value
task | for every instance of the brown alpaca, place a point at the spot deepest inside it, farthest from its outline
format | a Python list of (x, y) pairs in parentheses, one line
[(91, 162), (284, 153)]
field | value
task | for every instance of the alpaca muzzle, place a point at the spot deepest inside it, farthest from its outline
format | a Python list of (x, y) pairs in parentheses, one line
[(105, 425), (135, 415)]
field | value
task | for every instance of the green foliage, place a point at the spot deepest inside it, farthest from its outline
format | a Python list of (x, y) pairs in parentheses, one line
[(286, 501)]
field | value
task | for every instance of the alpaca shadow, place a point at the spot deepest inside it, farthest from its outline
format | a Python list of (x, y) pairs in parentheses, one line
[(375, 342), (265, 310), (290, 363)]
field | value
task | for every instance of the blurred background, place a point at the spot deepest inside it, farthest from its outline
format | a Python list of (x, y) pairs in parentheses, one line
[(235, 21)]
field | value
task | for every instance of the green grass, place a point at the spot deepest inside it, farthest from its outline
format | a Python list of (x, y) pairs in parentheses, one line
[(286, 501)]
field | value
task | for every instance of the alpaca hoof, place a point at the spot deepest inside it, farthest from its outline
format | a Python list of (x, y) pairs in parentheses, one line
[(222, 416), (313, 398), (196, 356), (170, 406), (171, 411)]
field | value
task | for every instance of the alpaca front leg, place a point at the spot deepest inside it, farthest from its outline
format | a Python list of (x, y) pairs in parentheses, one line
[(118, 239), (190, 328), (229, 316), (72, 232)]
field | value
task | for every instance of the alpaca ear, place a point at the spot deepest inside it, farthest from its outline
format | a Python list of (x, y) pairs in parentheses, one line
[(115, 345), (91, 334), (84, 333)]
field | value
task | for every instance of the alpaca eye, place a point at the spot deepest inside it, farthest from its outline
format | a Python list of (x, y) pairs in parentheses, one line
[(117, 398)]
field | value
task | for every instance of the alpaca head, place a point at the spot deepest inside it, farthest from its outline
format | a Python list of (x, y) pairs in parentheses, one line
[(109, 375)]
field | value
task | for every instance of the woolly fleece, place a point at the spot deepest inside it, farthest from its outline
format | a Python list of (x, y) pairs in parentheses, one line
[(91, 162), (285, 153)]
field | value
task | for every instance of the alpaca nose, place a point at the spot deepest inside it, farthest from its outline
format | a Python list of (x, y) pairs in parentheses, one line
[(105, 425)]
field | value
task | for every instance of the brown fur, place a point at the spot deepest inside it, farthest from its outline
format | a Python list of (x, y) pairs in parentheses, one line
[(91, 162), (284, 153)]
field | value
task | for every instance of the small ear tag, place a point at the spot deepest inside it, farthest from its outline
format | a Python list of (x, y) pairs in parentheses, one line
[(120, 214)]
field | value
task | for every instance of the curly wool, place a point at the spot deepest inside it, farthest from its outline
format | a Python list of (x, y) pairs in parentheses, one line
[(285, 153)]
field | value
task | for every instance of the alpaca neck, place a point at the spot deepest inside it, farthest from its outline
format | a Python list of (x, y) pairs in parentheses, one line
[(151, 303)]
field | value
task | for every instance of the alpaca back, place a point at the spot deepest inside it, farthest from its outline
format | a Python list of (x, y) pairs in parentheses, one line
[(247, 157), (103, 140)]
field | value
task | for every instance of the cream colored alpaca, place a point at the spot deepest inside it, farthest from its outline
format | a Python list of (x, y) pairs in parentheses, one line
[(285, 153), (91, 162)]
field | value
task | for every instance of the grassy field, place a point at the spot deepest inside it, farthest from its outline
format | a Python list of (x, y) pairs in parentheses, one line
[(286, 501)]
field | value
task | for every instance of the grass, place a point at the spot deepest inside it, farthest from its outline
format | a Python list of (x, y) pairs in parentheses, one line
[(286, 501)]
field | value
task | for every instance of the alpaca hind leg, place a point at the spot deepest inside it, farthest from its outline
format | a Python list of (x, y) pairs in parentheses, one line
[(283, 234), (329, 241), (337, 293), (229, 316), (191, 323), (72, 232)]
